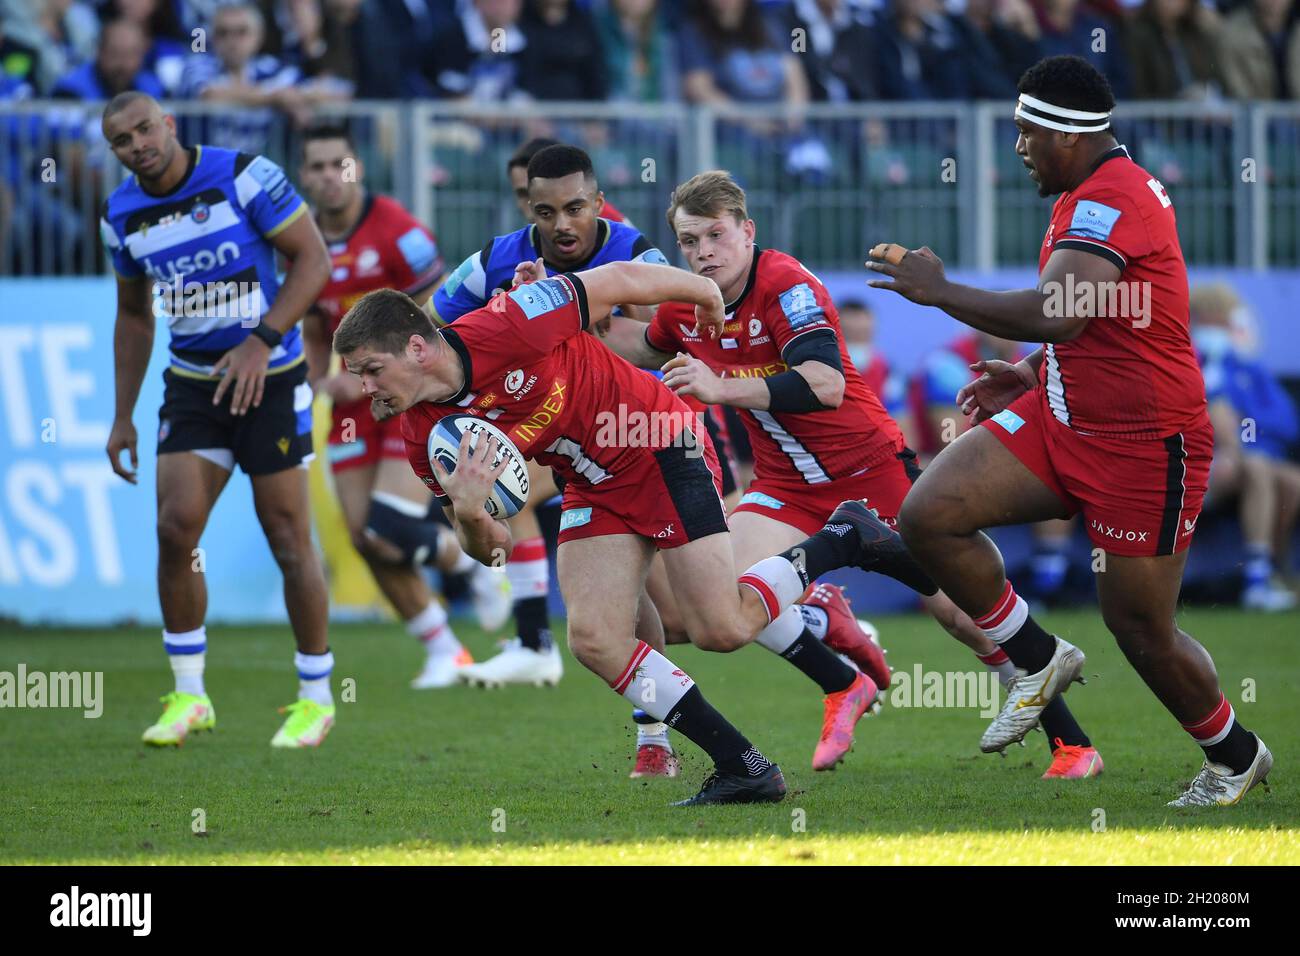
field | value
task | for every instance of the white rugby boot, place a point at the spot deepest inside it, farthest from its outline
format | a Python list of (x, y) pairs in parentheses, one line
[(442, 670), (516, 664), (1217, 786), (1028, 694)]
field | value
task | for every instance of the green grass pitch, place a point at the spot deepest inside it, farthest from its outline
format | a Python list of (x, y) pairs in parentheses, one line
[(540, 776)]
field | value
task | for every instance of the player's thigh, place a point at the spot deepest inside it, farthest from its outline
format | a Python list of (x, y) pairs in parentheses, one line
[(976, 483), (188, 486), (283, 507), (755, 537), (353, 486), (1138, 597), (660, 593), (702, 576), (601, 579)]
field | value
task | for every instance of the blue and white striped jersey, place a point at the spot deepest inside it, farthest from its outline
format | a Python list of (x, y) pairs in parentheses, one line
[(205, 244)]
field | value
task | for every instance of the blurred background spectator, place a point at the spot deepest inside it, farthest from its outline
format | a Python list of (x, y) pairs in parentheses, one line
[(62, 32), (1261, 51), (1174, 52), (836, 46), (118, 67), (479, 56), (640, 52), (562, 54), (1011, 28), (166, 44), (1255, 422), (1070, 27), (731, 54), (923, 53), (239, 73)]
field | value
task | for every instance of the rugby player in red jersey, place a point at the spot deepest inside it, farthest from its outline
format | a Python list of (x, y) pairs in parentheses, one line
[(375, 244), (1108, 419), (819, 434), (523, 363)]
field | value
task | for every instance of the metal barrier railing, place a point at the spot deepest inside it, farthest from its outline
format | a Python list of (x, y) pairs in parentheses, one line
[(824, 184)]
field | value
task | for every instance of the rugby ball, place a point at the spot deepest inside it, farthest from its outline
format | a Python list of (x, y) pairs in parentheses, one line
[(510, 492)]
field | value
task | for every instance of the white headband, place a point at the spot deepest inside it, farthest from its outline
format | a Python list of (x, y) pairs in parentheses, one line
[(1059, 117)]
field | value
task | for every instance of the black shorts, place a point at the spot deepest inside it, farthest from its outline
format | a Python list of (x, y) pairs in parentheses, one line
[(271, 437)]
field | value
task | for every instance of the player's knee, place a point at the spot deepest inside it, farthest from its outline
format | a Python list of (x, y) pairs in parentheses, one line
[(397, 531), (286, 540), (1138, 631), (178, 532), (585, 644), (915, 523)]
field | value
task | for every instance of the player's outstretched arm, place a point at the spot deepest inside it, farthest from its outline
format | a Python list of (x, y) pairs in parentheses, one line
[(1023, 315), (132, 346), (641, 283)]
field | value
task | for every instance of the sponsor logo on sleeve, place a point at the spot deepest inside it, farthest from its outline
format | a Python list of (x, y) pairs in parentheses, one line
[(539, 298), (799, 304), (419, 251), (1092, 220)]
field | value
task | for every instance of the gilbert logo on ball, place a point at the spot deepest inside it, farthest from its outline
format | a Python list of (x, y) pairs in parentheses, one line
[(510, 491)]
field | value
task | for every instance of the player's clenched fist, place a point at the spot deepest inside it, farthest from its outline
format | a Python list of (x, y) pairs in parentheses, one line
[(1000, 383), (917, 274), (689, 376), (529, 272)]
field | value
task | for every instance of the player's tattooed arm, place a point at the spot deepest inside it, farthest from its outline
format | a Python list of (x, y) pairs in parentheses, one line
[(132, 346), (481, 536)]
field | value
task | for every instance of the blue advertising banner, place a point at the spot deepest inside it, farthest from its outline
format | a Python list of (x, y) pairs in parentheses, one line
[(77, 543)]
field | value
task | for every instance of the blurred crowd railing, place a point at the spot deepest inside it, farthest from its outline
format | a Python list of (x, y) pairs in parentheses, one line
[(825, 184)]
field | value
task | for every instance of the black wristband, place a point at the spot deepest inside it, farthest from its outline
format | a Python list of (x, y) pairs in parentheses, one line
[(267, 334), (790, 392)]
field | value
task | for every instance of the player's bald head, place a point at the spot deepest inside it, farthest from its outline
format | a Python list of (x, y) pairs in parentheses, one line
[(141, 102)]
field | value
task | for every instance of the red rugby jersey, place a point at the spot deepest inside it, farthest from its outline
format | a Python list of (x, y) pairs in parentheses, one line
[(564, 399), (610, 211), (781, 302), (1132, 373), (388, 249)]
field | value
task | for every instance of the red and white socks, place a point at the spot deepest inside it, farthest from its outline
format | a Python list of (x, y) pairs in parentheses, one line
[(654, 684), (1223, 738), (529, 574), (432, 629)]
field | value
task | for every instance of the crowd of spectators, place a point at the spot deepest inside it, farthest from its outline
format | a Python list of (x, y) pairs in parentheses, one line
[(289, 55)]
